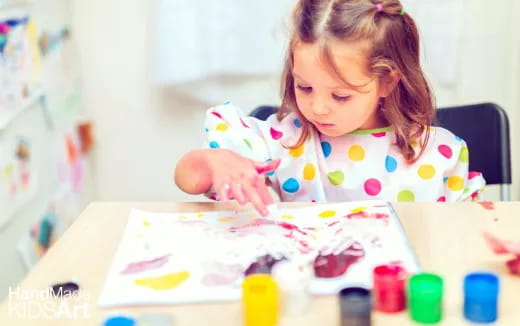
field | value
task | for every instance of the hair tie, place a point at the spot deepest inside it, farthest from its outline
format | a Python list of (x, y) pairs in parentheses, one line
[(379, 7)]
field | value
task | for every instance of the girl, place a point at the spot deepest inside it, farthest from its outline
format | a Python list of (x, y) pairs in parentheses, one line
[(354, 123)]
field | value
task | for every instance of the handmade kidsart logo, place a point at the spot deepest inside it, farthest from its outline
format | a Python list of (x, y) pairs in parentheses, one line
[(48, 304)]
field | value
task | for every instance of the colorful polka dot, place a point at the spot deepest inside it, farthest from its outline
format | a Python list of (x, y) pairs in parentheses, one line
[(327, 214), (291, 185), (244, 124), (426, 171), (455, 183), (372, 187), (297, 123), (458, 138), (309, 172), (206, 129), (406, 196), (248, 143), (464, 155), (441, 199), (214, 144), (227, 102), (276, 134), (272, 172), (216, 114), (445, 151), (298, 151), (327, 149), (379, 134), (473, 174), (287, 217), (390, 164), (146, 223), (336, 177), (222, 127), (356, 153)]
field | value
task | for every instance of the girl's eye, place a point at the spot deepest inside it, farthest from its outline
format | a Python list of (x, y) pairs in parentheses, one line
[(306, 89), (340, 98)]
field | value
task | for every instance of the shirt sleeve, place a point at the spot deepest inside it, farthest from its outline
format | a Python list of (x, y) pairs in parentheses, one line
[(461, 184), (227, 128)]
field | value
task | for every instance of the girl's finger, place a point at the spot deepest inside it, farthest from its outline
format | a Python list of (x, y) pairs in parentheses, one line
[(238, 193), (263, 190), (223, 192), (252, 195)]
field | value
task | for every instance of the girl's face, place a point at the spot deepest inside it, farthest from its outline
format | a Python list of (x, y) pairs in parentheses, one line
[(325, 100)]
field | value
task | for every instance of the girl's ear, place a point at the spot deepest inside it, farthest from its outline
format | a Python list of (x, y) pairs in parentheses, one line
[(388, 83)]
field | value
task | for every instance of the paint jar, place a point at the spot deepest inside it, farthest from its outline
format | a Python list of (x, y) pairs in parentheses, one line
[(293, 281), (389, 288), (260, 300), (480, 297), (355, 306), (425, 293)]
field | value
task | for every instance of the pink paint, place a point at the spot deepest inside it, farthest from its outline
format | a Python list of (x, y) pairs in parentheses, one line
[(216, 114), (146, 265), (489, 205), (329, 266), (379, 134), (220, 274), (333, 223)]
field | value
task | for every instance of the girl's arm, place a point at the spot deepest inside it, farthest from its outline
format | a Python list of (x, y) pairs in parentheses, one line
[(228, 173), (192, 173)]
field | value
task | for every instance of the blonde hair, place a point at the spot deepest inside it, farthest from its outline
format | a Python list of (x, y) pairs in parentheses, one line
[(393, 47)]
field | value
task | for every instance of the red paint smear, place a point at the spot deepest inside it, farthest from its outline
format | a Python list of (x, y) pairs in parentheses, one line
[(330, 266), (291, 227), (367, 215), (514, 266), (489, 205), (333, 223), (146, 265), (216, 114)]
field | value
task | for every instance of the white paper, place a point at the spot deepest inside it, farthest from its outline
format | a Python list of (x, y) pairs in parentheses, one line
[(209, 246)]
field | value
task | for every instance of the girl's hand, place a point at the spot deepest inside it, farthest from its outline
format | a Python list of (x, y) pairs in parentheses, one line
[(235, 176)]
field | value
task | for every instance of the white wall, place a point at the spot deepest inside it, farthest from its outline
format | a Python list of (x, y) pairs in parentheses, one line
[(142, 130)]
